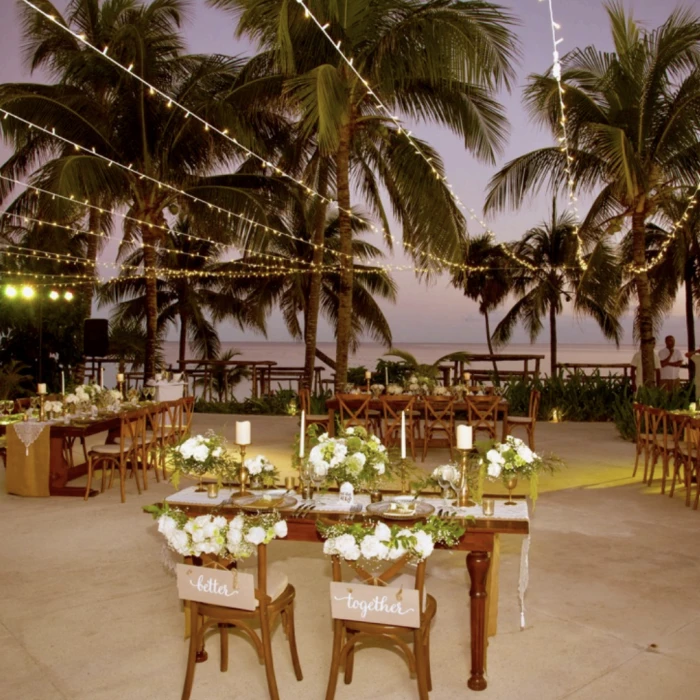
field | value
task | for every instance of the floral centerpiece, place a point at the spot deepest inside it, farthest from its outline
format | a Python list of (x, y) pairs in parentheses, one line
[(394, 389), (355, 457), (54, 408), (214, 534), (381, 542), (442, 391), (511, 460), (200, 455), (376, 389), (261, 469), (419, 384)]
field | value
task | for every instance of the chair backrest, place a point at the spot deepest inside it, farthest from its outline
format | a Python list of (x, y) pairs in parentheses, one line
[(534, 406), (354, 410), (155, 420), (638, 409), (131, 431), (655, 420), (187, 411), (392, 407), (677, 424), (482, 412), (438, 411), (173, 419)]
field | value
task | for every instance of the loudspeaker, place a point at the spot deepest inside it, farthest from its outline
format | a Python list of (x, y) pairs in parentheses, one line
[(96, 337)]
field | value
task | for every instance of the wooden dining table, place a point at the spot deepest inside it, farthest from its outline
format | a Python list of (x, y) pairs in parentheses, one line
[(479, 541), (375, 404)]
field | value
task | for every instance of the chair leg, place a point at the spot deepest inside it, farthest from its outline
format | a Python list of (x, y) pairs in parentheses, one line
[(122, 481), (426, 440), (636, 459), (420, 665), (647, 450), (267, 652), (426, 650), (664, 468), (292, 639), (335, 659), (192, 655), (349, 661), (223, 644), (89, 478)]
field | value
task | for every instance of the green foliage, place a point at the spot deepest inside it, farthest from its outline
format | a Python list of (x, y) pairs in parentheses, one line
[(397, 372), (276, 404), (15, 380), (356, 375)]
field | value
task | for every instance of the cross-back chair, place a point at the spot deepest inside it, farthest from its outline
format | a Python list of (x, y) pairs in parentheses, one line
[(348, 633), (311, 418), (482, 414), (655, 419), (438, 419), (124, 454), (529, 421), (275, 598), (684, 451), (392, 408), (354, 411), (642, 439)]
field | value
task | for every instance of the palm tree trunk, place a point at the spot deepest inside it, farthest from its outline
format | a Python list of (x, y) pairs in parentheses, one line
[(149, 262), (490, 346), (182, 354), (314, 302), (343, 330), (645, 322), (552, 340), (689, 316)]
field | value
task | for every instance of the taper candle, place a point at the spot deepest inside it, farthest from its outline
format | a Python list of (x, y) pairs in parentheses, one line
[(102, 377), (386, 376), (464, 437), (403, 434), (302, 435), (63, 382), (243, 432)]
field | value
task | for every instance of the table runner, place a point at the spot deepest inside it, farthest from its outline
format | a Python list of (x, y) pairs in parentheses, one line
[(28, 451)]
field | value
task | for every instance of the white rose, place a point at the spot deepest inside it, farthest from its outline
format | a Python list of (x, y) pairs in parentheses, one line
[(200, 453), (253, 466), (525, 453), (495, 457), (220, 522), (166, 525), (494, 470), (217, 452), (372, 548), (280, 528), (379, 468), (382, 532), (234, 537), (424, 544), (329, 546), (347, 548), (396, 552), (256, 535), (179, 541), (350, 431), (237, 523)]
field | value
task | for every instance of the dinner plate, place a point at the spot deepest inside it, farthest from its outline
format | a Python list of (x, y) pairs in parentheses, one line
[(81, 422), (382, 509), (262, 503)]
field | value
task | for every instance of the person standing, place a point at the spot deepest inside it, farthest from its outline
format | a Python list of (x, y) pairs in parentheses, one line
[(637, 374), (694, 357), (671, 363)]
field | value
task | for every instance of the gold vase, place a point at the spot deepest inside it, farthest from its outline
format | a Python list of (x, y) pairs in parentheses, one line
[(463, 496), (375, 496), (511, 482)]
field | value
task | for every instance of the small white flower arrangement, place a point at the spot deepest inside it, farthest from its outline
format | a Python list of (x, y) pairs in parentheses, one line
[(442, 391), (215, 534), (355, 457), (376, 389), (383, 543), (55, 407), (394, 389), (262, 469), (200, 455)]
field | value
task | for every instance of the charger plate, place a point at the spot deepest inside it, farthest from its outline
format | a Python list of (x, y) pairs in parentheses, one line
[(261, 503), (382, 509)]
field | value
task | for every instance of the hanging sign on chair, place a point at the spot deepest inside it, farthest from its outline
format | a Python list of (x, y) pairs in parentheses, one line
[(203, 584), (377, 604)]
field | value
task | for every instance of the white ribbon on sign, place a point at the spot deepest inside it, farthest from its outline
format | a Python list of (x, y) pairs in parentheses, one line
[(524, 577), (28, 433)]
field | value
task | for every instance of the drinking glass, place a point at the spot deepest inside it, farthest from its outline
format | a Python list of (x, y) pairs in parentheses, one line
[(318, 479), (445, 480)]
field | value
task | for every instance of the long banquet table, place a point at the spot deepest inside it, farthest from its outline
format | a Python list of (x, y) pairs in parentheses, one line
[(375, 404), (479, 541)]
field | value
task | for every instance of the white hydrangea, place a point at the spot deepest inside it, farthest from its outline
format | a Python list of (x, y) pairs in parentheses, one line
[(424, 544), (372, 547), (256, 535), (280, 528), (382, 532), (200, 453)]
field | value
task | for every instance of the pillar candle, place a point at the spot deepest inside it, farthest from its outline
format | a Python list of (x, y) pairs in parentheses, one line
[(243, 432), (467, 376), (63, 383), (41, 388), (403, 434), (386, 376), (102, 377), (464, 437), (368, 375), (302, 435), (120, 378)]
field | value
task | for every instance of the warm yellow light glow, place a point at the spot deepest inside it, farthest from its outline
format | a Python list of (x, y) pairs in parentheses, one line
[(53, 295), (10, 292), (68, 296), (28, 292)]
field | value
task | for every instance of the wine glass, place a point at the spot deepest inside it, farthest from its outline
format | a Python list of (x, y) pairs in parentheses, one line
[(305, 477), (317, 478), (445, 478)]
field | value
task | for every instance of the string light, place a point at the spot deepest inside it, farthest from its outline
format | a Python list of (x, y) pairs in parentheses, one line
[(565, 147), (170, 102)]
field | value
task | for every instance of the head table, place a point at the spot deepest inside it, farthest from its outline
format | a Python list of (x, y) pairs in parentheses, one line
[(480, 541)]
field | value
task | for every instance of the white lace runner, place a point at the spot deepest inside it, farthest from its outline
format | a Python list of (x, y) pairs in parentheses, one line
[(28, 432), (524, 577)]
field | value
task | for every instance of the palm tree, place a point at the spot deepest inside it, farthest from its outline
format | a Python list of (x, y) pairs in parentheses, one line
[(135, 128), (437, 60), (195, 292), (633, 122), (552, 276), (488, 287)]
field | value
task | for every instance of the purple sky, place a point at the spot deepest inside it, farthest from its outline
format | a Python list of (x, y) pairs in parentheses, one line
[(445, 316)]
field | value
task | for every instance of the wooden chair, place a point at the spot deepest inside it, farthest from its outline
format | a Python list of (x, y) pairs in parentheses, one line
[(171, 429), (348, 633), (482, 414), (684, 451), (392, 407), (155, 417), (438, 418), (354, 411), (275, 596), (126, 454), (529, 421), (311, 418), (658, 441), (641, 437)]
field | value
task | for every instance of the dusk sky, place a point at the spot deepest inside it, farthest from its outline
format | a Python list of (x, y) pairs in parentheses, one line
[(437, 313)]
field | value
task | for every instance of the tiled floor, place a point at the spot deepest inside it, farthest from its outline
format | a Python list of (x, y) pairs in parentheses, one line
[(88, 610)]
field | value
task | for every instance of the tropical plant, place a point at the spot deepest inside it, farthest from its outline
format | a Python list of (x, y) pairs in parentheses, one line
[(488, 287), (420, 369), (127, 343), (551, 275), (633, 127), (221, 378), (15, 380), (434, 60), (157, 142)]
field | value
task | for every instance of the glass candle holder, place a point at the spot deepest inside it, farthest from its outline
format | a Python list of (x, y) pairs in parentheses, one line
[(488, 506)]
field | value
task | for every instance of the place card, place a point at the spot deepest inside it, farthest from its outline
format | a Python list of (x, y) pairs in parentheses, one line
[(381, 605), (203, 584)]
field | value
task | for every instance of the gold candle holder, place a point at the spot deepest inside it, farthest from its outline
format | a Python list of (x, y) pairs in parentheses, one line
[(242, 473), (42, 408), (463, 499), (289, 483), (404, 480), (120, 386)]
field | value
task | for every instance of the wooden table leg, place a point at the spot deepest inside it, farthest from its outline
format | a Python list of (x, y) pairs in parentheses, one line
[(478, 567), (60, 474), (331, 422)]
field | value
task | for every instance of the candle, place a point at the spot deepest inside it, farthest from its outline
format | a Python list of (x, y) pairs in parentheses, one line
[(102, 377), (243, 432), (41, 389), (386, 376), (120, 378), (464, 437), (302, 435), (368, 375), (403, 434), (467, 376), (63, 383)]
